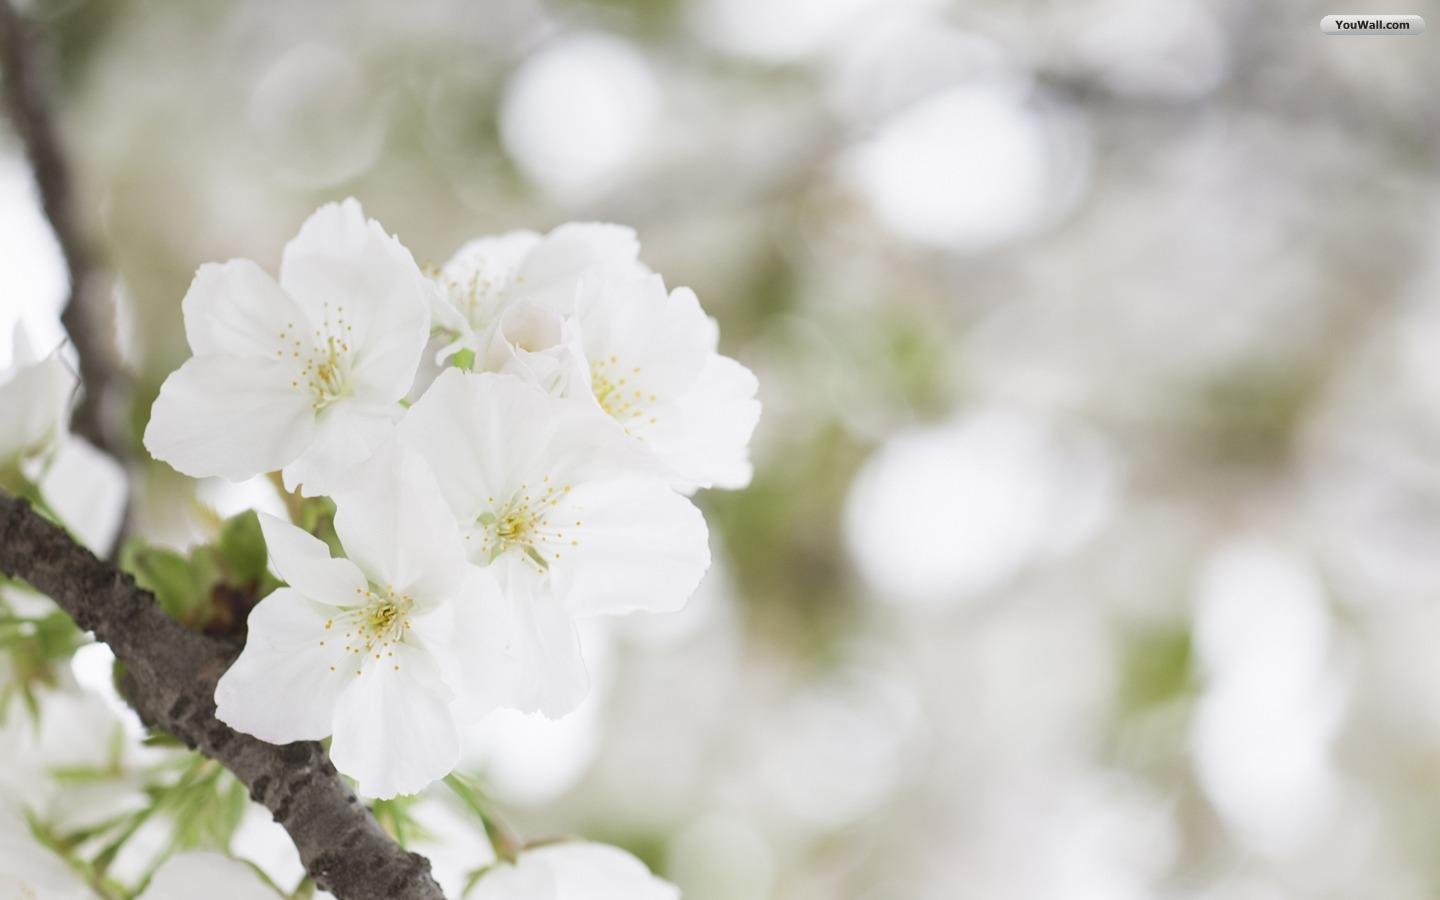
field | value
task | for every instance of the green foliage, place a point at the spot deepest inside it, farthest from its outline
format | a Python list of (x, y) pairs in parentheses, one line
[(215, 585), (35, 647), (177, 584), (241, 546), (504, 842), (199, 803), (395, 817), (1157, 669)]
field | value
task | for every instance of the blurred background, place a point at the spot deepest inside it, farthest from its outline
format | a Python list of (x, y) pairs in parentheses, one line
[(1093, 551)]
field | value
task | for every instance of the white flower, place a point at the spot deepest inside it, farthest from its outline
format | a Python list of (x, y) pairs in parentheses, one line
[(29, 869), (305, 375), (87, 491), (208, 874), (557, 506), (35, 399), (573, 871), (576, 313), (488, 276), (654, 370), (355, 647)]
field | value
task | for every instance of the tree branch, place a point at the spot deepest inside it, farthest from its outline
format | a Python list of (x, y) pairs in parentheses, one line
[(85, 317), (170, 680)]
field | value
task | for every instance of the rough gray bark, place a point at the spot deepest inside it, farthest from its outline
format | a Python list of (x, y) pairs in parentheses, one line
[(88, 318), (170, 679)]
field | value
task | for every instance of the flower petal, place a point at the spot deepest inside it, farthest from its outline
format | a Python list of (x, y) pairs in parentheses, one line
[(346, 435), (640, 546), (704, 435), (574, 251), (516, 882), (477, 279), (396, 525), (205, 873), (484, 435), (656, 342), (394, 732), (584, 870), (350, 277), (88, 490), (229, 416), (303, 561), (236, 308), (574, 870), (516, 646), (284, 685), (35, 405)]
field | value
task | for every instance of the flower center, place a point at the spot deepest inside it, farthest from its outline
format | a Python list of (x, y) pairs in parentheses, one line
[(377, 623), (620, 399), (324, 360), (478, 294), (526, 524)]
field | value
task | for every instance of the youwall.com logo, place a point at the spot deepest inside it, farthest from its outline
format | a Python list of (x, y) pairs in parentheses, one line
[(1371, 24)]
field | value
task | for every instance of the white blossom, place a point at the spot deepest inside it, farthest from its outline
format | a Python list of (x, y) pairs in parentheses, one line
[(489, 275), (654, 369), (29, 869), (576, 870), (577, 314), (305, 375), (35, 399), (569, 520), (354, 647), (214, 876)]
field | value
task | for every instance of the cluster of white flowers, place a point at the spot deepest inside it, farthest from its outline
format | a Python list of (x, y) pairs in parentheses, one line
[(509, 442)]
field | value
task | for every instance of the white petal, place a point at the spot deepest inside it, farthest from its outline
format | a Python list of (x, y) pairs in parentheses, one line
[(394, 732), (518, 882), (704, 435), (577, 250), (284, 685), (590, 871), (657, 342), (208, 874), (345, 270), (35, 406), (574, 870), (88, 490), (303, 561), (236, 308), (640, 546), (29, 869), (478, 278), (346, 435), (396, 525), (228, 416), (484, 436), (516, 646)]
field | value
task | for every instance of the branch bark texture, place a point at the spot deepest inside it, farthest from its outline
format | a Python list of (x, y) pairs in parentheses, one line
[(26, 97), (170, 679)]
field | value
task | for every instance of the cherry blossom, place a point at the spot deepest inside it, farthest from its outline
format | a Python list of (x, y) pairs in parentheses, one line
[(354, 647), (305, 375)]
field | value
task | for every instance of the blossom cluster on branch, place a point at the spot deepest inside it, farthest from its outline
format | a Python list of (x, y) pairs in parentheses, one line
[(510, 443)]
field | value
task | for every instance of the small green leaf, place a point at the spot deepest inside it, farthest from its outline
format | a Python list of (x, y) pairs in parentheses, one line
[(167, 575), (463, 359), (242, 547)]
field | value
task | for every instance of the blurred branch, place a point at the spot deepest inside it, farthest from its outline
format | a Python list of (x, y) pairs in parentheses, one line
[(27, 99), (170, 675)]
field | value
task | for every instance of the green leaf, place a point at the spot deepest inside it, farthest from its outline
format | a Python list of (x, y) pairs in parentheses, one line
[(242, 547), (169, 576)]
